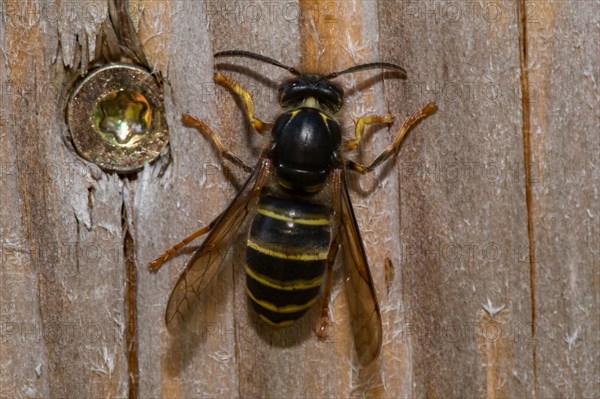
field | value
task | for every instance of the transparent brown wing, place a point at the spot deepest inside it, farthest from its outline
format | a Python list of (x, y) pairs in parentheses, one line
[(362, 298), (206, 261)]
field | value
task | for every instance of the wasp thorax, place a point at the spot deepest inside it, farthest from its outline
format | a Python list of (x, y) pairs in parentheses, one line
[(306, 140)]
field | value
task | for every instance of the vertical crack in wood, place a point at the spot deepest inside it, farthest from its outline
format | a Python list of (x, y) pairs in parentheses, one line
[(77, 243), (526, 114), (131, 341)]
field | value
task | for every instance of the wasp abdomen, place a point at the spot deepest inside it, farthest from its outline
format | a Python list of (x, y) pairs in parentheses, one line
[(286, 257)]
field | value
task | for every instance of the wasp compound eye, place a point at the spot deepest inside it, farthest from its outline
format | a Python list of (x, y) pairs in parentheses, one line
[(117, 119)]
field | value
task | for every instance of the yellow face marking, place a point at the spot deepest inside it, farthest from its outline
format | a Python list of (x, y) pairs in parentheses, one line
[(316, 221), (281, 309), (310, 102), (306, 256), (284, 285)]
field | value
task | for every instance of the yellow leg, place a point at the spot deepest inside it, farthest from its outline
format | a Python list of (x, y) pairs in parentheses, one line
[(391, 149), (324, 328), (212, 136), (325, 322), (234, 86), (359, 127), (157, 263)]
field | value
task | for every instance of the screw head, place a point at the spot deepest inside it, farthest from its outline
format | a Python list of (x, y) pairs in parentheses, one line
[(116, 117)]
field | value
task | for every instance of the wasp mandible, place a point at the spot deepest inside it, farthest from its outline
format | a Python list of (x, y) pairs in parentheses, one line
[(297, 198)]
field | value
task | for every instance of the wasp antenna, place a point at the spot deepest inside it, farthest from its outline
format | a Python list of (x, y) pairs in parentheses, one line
[(372, 65), (258, 57)]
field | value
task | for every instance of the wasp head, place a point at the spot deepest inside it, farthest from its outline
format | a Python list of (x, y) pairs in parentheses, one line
[(301, 89)]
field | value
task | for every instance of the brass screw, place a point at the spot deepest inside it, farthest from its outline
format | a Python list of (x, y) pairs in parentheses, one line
[(117, 118)]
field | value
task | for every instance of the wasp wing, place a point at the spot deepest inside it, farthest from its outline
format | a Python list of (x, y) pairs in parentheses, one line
[(206, 261), (360, 291)]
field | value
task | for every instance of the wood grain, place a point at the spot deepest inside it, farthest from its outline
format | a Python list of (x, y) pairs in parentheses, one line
[(564, 155), (62, 275), (449, 211)]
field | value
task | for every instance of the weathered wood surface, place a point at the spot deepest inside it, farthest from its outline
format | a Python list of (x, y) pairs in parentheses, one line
[(451, 213)]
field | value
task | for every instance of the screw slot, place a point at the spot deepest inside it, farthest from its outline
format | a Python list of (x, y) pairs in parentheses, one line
[(123, 117), (117, 119)]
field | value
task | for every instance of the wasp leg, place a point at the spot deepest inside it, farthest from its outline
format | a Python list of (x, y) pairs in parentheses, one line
[(158, 262), (205, 129), (246, 97), (391, 149), (359, 127), (325, 322)]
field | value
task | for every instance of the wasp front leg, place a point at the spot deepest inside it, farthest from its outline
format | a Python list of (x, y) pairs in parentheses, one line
[(246, 97), (359, 127), (391, 149)]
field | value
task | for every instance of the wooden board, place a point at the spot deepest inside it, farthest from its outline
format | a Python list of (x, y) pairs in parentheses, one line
[(565, 210), (453, 212)]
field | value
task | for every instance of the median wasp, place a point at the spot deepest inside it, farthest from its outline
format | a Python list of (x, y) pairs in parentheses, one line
[(297, 199)]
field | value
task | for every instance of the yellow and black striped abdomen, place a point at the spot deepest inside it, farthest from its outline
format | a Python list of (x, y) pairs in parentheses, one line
[(286, 257)]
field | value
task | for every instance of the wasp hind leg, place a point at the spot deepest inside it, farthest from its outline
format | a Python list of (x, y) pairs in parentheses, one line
[(359, 127), (246, 97), (391, 149), (323, 329)]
